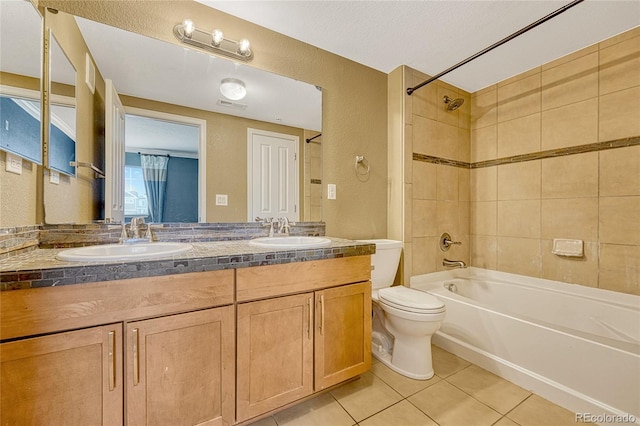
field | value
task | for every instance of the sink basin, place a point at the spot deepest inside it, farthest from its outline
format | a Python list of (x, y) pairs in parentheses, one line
[(291, 242), (109, 252)]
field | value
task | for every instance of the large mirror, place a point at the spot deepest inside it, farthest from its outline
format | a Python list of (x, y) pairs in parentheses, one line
[(20, 70), (175, 109)]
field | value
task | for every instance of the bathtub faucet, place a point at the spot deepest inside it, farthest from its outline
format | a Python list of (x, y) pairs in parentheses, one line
[(454, 263)]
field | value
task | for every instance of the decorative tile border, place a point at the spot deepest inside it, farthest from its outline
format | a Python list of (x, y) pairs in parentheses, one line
[(551, 153)]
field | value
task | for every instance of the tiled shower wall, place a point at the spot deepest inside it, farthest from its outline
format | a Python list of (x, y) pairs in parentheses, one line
[(537, 171)]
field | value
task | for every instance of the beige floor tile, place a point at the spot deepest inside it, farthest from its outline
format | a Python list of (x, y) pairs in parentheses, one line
[(537, 411), (505, 421), (400, 414), (489, 389), (322, 410), (405, 386), (365, 397), (448, 405), (267, 421), (445, 363)]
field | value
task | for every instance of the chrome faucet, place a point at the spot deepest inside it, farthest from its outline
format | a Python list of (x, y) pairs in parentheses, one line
[(454, 263), (285, 226), (137, 233), (267, 221)]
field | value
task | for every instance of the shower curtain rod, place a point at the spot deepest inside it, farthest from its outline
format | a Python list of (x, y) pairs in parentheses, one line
[(316, 136), (564, 8)]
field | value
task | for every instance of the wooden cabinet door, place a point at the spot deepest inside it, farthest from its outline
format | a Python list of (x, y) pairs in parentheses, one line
[(72, 378), (343, 333), (180, 369), (275, 353)]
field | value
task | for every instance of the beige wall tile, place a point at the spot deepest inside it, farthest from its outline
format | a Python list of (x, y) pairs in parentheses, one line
[(484, 143), (620, 268), (570, 176), (424, 222), (424, 180), (570, 57), (619, 220), (424, 137), (484, 184), (620, 171), (425, 255), (446, 141), (447, 182), (575, 270), (519, 99), (619, 114), (521, 76), (620, 38), (464, 145), (448, 219), (484, 218), (464, 184), (484, 251), (520, 256), (484, 108), (570, 82), (519, 136), (570, 218), (407, 262), (464, 220), (407, 152), (424, 100), (519, 218), (520, 181), (620, 66), (464, 112), (407, 212), (570, 125)]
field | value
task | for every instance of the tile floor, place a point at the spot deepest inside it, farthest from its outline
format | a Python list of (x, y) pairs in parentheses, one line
[(460, 394)]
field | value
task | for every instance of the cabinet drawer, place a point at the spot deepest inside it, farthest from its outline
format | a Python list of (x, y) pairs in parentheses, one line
[(45, 310), (261, 282)]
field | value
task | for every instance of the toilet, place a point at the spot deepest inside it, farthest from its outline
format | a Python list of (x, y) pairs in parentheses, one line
[(403, 319)]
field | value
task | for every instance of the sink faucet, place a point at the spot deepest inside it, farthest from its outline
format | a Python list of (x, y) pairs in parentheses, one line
[(454, 263), (137, 232), (285, 226), (267, 221)]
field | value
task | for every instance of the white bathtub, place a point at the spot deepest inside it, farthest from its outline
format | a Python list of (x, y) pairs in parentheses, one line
[(576, 346)]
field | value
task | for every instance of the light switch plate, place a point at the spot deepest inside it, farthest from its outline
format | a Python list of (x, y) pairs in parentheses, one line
[(14, 164), (54, 177), (222, 200), (331, 191)]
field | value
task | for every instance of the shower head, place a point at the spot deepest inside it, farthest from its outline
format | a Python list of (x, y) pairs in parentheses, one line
[(452, 104)]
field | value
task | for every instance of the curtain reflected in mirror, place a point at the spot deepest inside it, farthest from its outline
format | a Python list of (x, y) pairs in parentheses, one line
[(154, 174)]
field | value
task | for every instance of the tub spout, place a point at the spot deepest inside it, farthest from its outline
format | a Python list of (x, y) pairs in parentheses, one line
[(454, 263)]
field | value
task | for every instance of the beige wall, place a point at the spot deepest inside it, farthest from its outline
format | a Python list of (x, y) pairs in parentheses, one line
[(518, 209), (508, 215), (354, 100)]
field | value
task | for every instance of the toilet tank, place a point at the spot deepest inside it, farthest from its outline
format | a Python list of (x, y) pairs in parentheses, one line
[(385, 262)]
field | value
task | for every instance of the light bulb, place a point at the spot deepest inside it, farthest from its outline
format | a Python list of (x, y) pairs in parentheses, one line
[(188, 26), (232, 88), (217, 37), (244, 47)]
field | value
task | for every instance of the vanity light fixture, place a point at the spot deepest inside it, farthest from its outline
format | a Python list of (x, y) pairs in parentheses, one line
[(213, 41), (232, 88)]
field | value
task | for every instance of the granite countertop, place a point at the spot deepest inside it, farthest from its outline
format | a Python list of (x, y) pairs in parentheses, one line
[(40, 268)]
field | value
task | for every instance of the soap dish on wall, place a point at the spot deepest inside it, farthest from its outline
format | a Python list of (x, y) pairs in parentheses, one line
[(566, 247)]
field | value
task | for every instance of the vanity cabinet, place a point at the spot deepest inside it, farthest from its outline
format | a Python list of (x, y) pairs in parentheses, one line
[(180, 369), (290, 346), (65, 378)]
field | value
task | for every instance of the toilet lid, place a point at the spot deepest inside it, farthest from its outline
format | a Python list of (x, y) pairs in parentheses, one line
[(408, 299)]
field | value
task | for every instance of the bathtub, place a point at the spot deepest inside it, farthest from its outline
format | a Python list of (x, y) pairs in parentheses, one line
[(576, 346)]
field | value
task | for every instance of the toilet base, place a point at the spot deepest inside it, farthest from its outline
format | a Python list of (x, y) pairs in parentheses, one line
[(385, 358)]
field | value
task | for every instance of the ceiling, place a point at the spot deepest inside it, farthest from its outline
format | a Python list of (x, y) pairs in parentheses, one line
[(433, 35)]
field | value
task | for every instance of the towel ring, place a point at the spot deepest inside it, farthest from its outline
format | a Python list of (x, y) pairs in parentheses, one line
[(365, 163)]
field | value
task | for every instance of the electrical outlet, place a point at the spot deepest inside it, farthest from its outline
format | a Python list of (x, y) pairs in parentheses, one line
[(14, 164), (222, 200), (331, 191), (54, 177)]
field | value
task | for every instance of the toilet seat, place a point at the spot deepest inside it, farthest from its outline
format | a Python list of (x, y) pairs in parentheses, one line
[(409, 300)]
